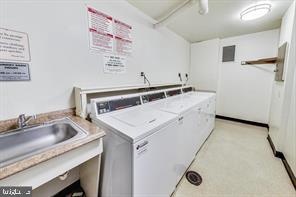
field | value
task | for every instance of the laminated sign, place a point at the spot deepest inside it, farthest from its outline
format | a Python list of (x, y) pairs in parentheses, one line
[(108, 35), (14, 46), (10, 71), (114, 64)]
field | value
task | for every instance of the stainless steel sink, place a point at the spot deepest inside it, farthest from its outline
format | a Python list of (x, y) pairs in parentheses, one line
[(19, 144)]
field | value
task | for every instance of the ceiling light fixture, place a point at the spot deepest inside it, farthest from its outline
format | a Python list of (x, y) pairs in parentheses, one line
[(255, 11)]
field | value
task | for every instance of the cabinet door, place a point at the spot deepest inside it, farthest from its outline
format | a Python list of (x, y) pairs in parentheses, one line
[(154, 163)]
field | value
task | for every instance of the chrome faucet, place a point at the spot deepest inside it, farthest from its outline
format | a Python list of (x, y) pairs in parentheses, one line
[(23, 121)]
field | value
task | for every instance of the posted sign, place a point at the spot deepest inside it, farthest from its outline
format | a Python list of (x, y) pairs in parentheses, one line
[(114, 64), (108, 35), (10, 71), (14, 46)]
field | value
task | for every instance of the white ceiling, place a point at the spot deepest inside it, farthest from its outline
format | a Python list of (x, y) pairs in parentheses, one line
[(223, 19)]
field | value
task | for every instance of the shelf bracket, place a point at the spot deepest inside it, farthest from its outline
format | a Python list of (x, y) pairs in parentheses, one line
[(272, 60)]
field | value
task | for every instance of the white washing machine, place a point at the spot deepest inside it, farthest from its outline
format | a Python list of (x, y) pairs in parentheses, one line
[(208, 109), (189, 124), (139, 147)]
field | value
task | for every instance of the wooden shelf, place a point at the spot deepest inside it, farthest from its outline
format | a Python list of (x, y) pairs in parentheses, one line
[(272, 60)]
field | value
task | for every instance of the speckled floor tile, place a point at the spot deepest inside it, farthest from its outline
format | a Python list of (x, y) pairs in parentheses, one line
[(237, 161)]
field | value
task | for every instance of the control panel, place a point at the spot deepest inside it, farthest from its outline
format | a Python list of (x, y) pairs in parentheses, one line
[(153, 97), (189, 89), (173, 92), (114, 105)]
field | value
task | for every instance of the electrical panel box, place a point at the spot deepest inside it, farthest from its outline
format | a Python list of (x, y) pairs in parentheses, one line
[(279, 71), (228, 54)]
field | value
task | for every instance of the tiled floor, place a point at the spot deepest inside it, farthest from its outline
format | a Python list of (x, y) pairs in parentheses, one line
[(237, 161)]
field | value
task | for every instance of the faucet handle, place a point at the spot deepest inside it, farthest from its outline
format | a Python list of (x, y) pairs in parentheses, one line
[(21, 119)]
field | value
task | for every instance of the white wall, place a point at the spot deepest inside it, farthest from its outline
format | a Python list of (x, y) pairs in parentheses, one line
[(286, 138), (61, 57), (289, 141), (204, 65), (277, 112), (244, 91)]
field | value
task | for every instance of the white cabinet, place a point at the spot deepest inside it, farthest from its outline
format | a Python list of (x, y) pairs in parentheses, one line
[(86, 158)]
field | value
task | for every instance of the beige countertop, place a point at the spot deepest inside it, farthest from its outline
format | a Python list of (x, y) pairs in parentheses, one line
[(94, 133)]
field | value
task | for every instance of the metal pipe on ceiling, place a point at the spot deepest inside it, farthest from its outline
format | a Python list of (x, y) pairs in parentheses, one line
[(203, 9)]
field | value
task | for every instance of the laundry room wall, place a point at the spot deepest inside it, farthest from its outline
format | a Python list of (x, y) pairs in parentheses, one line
[(283, 108), (277, 106), (288, 143), (243, 92), (204, 65), (61, 59)]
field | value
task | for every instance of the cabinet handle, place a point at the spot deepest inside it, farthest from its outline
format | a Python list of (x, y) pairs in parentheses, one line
[(181, 118)]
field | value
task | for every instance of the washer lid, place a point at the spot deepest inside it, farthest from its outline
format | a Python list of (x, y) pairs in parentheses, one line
[(136, 118), (199, 94), (179, 104), (136, 123), (176, 107)]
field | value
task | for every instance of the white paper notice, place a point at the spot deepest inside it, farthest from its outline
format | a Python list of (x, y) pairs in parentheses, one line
[(122, 46), (109, 35), (122, 36), (100, 30), (14, 46), (114, 64)]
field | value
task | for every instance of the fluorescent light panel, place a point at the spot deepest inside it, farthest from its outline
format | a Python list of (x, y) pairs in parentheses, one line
[(255, 11)]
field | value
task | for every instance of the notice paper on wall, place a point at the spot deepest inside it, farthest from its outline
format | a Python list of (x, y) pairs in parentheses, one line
[(122, 38), (10, 71), (114, 64), (100, 30), (14, 46), (108, 35)]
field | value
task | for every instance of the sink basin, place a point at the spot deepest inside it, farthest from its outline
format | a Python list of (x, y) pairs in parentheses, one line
[(19, 144)]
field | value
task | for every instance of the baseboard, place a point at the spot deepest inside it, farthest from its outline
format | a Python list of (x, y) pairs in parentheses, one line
[(244, 121), (290, 172), (280, 155), (272, 145)]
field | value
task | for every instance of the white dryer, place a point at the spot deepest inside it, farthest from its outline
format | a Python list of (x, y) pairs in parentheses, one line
[(189, 129), (139, 147), (208, 109)]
